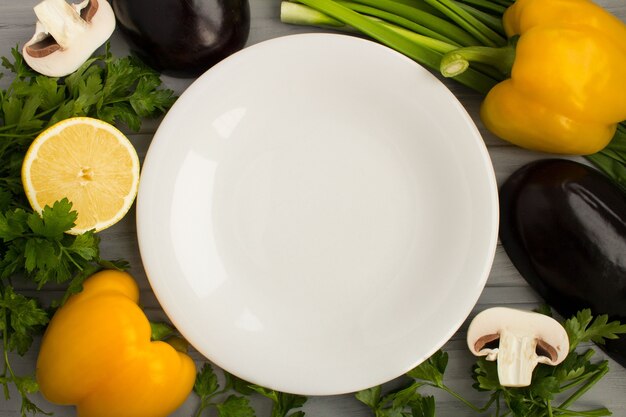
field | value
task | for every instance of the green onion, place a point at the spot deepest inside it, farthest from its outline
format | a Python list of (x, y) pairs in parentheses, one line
[(422, 5), (457, 61), (475, 27), (489, 20), (489, 6), (412, 46), (299, 14), (435, 24)]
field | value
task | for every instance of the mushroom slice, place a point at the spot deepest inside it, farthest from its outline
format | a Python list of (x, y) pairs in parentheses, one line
[(67, 34), (518, 340)]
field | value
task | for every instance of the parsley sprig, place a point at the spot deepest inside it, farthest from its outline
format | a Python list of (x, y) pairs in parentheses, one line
[(105, 87), (553, 391), (34, 248), (232, 399)]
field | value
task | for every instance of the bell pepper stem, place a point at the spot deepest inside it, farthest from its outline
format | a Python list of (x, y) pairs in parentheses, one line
[(458, 61)]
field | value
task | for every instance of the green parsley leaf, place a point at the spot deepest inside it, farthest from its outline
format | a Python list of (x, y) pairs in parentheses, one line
[(76, 284), (432, 369), (423, 406), (400, 402), (206, 382), (5, 199), (51, 92), (37, 245), (370, 397), (238, 384), (545, 387), (283, 403), (85, 245), (583, 328), (24, 318), (40, 254), (18, 66), (235, 406), (401, 398), (485, 373), (12, 224), (54, 221), (161, 331)]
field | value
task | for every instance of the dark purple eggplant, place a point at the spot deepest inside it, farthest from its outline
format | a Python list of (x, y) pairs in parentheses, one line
[(563, 225), (183, 38)]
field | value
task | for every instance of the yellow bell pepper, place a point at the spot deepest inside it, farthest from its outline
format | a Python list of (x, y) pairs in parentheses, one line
[(567, 87), (96, 354)]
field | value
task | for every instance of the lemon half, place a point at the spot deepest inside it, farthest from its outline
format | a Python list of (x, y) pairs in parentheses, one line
[(88, 161)]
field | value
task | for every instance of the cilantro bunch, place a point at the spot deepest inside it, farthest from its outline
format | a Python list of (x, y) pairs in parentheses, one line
[(34, 248), (553, 391)]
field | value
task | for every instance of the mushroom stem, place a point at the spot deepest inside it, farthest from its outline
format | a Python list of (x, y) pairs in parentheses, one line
[(60, 20), (516, 360)]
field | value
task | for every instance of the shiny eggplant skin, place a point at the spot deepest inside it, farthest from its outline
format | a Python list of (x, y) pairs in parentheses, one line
[(183, 38), (563, 225)]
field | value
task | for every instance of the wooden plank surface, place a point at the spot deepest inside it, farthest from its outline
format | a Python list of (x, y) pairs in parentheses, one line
[(504, 287)]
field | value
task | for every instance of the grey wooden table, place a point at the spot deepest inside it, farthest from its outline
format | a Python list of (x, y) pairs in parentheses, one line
[(505, 286)]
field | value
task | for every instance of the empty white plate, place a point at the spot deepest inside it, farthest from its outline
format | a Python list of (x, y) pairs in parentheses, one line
[(317, 214)]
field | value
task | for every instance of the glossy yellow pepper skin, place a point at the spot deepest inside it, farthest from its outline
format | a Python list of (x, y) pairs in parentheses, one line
[(96, 354), (567, 89)]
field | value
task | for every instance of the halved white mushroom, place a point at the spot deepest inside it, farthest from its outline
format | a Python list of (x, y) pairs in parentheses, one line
[(519, 340), (67, 34)]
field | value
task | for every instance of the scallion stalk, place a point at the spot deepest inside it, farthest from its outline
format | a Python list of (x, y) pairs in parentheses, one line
[(455, 62), (435, 24), (489, 20), (505, 3), (475, 27), (419, 52), (488, 6), (399, 21), (422, 5), (299, 14)]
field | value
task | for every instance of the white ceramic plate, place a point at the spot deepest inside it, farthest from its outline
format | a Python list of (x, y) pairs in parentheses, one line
[(317, 214)]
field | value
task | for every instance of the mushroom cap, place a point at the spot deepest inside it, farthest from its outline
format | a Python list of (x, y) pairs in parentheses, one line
[(487, 326), (62, 62)]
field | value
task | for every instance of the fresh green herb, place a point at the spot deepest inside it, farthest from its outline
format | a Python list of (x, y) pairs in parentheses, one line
[(34, 248), (232, 400), (584, 328), (574, 376), (282, 403), (105, 87), (20, 318), (404, 401), (161, 331)]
